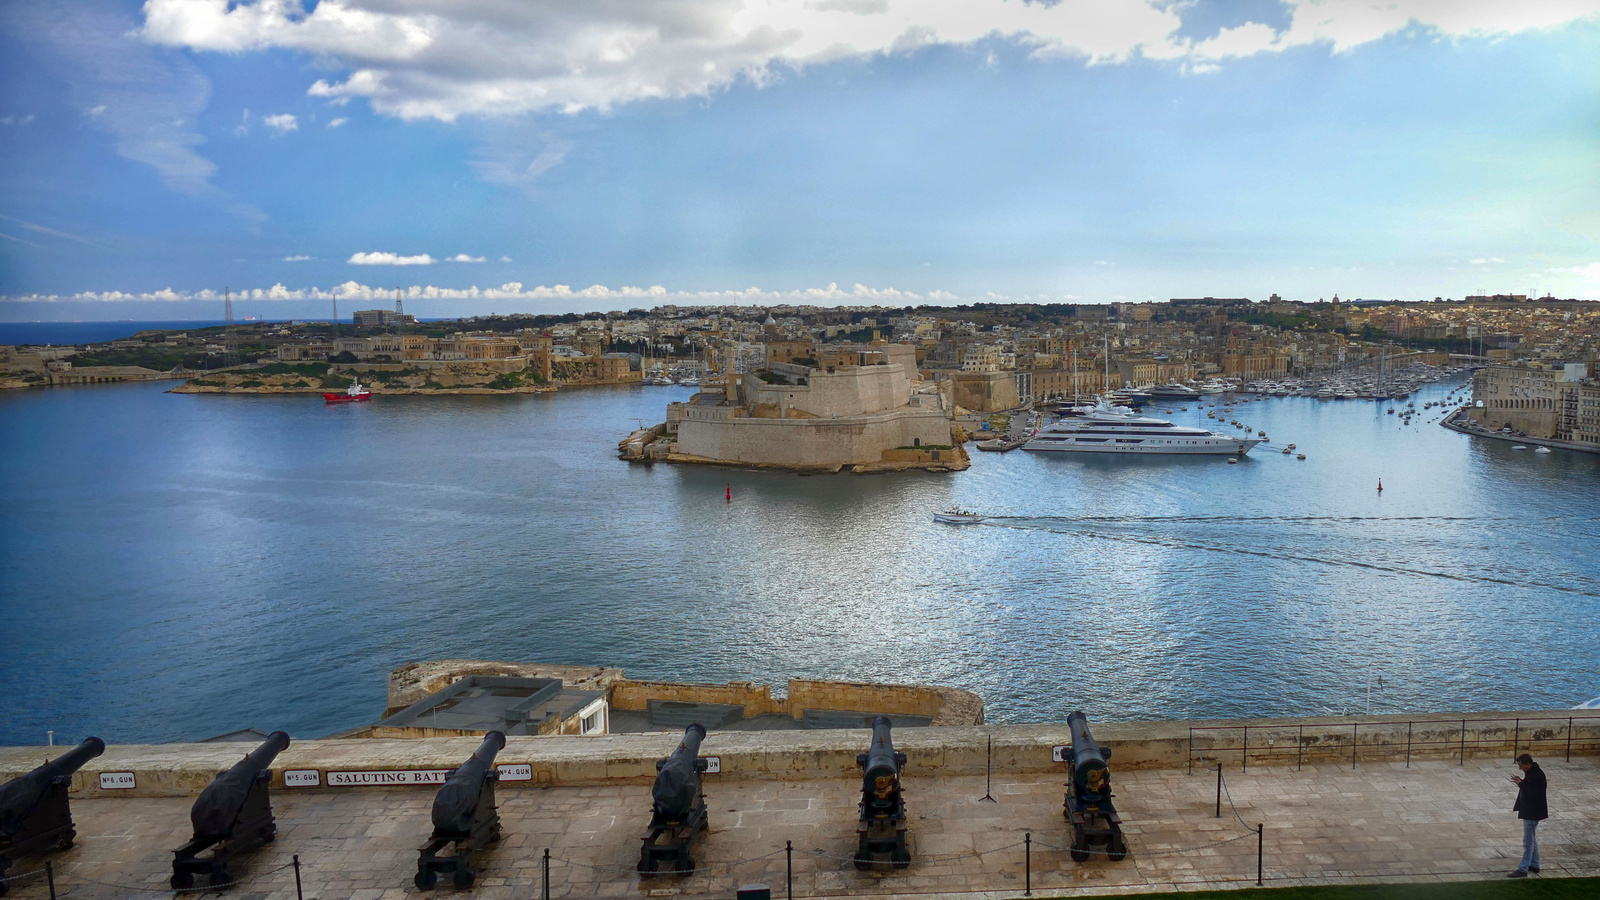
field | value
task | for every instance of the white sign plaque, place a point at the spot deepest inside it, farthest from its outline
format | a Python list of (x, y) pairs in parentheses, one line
[(387, 778), (713, 764), (301, 778), (523, 772), (1060, 751), (116, 781)]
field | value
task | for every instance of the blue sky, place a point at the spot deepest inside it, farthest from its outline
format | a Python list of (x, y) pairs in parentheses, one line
[(603, 156)]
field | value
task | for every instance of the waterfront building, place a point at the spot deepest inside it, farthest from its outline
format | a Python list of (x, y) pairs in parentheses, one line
[(1557, 401)]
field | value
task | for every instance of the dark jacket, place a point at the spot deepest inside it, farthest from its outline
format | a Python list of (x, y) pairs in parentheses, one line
[(1530, 796)]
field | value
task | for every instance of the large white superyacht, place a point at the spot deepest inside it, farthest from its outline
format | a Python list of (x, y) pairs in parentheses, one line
[(1105, 428)]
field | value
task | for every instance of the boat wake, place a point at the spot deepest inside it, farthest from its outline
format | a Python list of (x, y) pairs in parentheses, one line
[(1065, 525)]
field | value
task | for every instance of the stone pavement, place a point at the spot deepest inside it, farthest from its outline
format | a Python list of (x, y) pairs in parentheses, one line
[(1434, 821)]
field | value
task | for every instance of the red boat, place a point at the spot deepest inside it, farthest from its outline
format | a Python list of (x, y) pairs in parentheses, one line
[(355, 393)]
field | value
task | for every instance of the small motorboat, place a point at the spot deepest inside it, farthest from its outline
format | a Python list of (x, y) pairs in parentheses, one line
[(1542, 450), (1286, 451), (958, 516), (1520, 447), (1299, 456), (355, 393)]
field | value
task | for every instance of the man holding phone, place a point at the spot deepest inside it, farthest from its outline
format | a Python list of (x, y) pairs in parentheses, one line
[(1531, 809)]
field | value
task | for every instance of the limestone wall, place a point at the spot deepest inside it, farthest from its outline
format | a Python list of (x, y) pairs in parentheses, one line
[(811, 442), (185, 769), (757, 700)]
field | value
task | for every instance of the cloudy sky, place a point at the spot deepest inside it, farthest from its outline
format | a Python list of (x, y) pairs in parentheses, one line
[(498, 155)]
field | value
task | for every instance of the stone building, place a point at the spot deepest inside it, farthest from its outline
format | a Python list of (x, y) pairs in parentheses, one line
[(805, 416), (1541, 401)]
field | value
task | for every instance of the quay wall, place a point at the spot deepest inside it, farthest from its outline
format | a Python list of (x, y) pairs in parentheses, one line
[(946, 706), (852, 440), (169, 770)]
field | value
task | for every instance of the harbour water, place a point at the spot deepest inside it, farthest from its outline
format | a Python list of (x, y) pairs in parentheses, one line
[(176, 566)]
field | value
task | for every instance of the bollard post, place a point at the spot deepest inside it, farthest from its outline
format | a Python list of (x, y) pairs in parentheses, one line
[(1260, 831), (1027, 864), (1569, 739), (1516, 738), (1408, 744), (547, 873), (1219, 790), (1353, 727), (788, 867), (299, 892), (1300, 749), (50, 876), (1463, 760), (988, 766), (1244, 761)]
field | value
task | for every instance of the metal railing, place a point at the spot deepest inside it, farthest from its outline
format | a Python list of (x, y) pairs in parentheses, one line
[(1524, 733)]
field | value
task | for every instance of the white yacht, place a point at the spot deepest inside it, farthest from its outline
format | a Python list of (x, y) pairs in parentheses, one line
[(1114, 429), (1174, 391)]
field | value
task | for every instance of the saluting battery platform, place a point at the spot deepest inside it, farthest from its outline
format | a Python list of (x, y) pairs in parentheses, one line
[(1088, 806)]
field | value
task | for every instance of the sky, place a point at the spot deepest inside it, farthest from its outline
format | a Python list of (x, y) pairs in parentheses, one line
[(513, 155)]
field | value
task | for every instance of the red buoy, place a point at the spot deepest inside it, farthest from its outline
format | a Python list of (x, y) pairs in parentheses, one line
[(730, 493), (1380, 485)]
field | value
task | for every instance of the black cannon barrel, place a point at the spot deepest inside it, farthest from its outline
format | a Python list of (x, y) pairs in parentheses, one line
[(678, 781), (881, 759), (457, 802), (1087, 755), (214, 812), (21, 794)]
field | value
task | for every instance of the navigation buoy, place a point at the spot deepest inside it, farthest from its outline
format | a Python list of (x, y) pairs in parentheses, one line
[(1380, 485), (730, 493)]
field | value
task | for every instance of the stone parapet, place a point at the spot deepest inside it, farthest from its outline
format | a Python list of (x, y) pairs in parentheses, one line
[(184, 769)]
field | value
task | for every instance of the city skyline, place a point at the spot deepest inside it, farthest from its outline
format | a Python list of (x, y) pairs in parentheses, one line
[(872, 153)]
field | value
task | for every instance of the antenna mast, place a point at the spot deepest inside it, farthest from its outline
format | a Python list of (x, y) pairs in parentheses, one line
[(228, 342)]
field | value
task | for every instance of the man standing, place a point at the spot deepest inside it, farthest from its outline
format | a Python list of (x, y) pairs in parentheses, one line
[(1531, 809)]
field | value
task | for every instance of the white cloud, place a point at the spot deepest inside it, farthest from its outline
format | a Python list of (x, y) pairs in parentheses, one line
[(505, 259), (445, 58), (144, 98), (462, 257), (382, 258), (1486, 260), (295, 258), (282, 123), (16, 120), (592, 297), (335, 123), (1590, 272)]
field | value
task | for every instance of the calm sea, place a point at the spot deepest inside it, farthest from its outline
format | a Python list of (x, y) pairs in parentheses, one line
[(174, 566)]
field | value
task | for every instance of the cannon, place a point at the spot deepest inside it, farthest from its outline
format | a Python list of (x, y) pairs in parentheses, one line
[(35, 816), (464, 817), (1088, 807), (233, 815), (678, 812), (882, 828)]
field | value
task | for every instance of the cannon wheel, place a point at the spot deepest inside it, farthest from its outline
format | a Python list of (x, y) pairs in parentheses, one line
[(1119, 847), (685, 865), (863, 860), (65, 842), (647, 866), (900, 857), (463, 877), (3, 884), (182, 881), (1080, 848), (426, 879), (221, 878)]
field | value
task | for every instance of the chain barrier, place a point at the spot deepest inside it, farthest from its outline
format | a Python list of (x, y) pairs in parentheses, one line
[(946, 857), (1229, 794), (1176, 851), (12, 879), (215, 888), (699, 867)]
